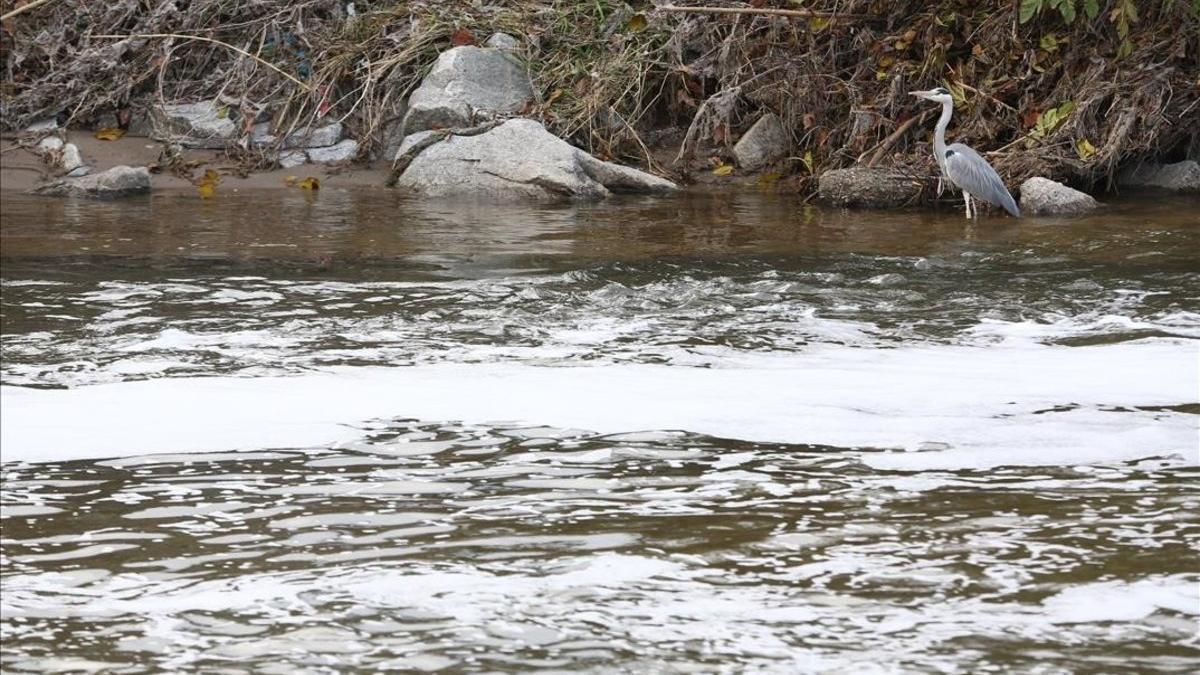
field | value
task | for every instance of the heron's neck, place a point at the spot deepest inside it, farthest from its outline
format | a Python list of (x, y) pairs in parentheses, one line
[(939, 133)]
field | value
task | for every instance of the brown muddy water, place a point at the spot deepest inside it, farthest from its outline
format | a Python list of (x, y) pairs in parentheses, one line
[(347, 432)]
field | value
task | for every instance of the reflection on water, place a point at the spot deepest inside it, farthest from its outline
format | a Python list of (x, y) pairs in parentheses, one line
[(438, 544)]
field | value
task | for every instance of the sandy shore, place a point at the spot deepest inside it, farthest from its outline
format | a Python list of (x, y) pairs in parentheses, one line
[(22, 170)]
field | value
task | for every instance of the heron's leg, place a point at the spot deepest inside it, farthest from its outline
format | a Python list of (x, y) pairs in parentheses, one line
[(967, 203), (941, 186)]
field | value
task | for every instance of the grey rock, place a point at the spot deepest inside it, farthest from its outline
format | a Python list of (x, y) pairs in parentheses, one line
[(340, 152), (70, 159), (1181, 176), (194, 125), (119, 181), (518, 160), (318, 137), (290, 159), (764, 143), (464, 81), (49, 144), (867, 188), (315, 137), (46, 126), (1042, 196), (78, 171), (502, 41), (393, 138)]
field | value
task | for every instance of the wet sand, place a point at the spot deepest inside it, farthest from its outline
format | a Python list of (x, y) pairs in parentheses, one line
[(22, 170)]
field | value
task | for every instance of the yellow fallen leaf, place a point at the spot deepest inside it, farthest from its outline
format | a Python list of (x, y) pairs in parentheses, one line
[(109, 134), (809, 162), (290, 181), (769, 178), (818, 23), (207, 185), (1085, 149), (637, 23), (723, 170), (309, 183)]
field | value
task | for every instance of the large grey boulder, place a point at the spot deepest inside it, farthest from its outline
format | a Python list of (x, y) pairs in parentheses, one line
[(764, 143), (194, 125), (467, 80), (1042, 197), (1181, 176), (517, 160), (119, 181), (863, 187)]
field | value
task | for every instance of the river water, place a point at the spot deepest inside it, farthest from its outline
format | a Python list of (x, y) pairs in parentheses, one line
[(721, 432)]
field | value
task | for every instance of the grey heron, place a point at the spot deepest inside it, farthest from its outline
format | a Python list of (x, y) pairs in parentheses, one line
[(967, 169)]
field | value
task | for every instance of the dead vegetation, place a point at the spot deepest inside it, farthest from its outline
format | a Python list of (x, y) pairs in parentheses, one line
[(1072, 100)]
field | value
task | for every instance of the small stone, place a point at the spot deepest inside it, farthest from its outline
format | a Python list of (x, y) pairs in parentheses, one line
[(119, 181), (502, 41), (78, 171), (319, 137), (1180, 177), (342, 152), (867, 188), (71, 159), (1042, 196), (764, 143), (49, 144), (290, 159), (45, 126), (195, 125)]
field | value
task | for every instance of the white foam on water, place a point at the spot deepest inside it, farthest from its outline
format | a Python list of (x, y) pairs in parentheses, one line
[(990, 406)]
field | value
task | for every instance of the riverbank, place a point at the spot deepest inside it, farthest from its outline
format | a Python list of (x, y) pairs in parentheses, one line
[(1076, 96)]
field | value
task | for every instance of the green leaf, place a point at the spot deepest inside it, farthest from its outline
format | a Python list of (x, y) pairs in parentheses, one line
[(1065, 109), (1049, 43), (1067, 9), (1028, 9), (1091, 8)]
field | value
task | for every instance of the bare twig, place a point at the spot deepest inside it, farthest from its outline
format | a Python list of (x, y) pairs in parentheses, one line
[(880, 150), (793, 13), (405, 158), (201, 38), (23, 8)]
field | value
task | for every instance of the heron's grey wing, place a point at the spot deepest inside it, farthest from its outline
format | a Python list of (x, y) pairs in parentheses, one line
[(972, 173)]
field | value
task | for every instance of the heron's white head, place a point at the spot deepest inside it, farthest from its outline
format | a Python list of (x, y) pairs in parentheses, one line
[(941, 95)]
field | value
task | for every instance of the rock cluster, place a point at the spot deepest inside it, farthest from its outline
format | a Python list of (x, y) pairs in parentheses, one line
[(65, 157), (515, 160), (207, 125)]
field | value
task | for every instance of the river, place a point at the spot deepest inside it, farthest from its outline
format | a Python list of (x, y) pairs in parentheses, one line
[(718, 432)]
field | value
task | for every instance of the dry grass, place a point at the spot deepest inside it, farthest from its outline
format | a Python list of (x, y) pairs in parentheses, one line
[(611, 77)]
